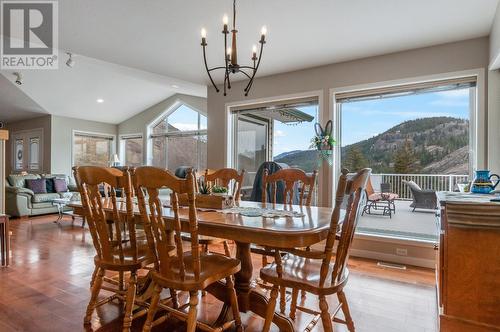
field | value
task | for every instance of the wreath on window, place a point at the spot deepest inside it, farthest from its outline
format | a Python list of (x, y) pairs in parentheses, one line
[(323, 141)]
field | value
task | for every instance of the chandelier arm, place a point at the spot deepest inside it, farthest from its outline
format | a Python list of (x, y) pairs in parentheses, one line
[(215, 68), (208, 71), (241, 71), (249, 85), (225, 79), (226, 75)]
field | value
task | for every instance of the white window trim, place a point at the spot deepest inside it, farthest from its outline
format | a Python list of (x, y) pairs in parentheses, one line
[(122, 145), (324, 173), (91, 133), (476, 119), (174, 107)]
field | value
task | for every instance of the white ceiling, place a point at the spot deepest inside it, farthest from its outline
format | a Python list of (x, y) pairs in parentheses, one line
[(132, 52), (73, 92), (164, 36), (16, 105)]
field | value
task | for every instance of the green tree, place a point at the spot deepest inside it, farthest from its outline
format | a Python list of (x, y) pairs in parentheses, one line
[(355, 160), (404, 159)]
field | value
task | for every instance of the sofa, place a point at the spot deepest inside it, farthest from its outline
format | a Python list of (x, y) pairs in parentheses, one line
[(20, 201)]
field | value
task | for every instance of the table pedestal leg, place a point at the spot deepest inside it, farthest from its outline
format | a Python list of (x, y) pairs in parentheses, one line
[(251, 299)]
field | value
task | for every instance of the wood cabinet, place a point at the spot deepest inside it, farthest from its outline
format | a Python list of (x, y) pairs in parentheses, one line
[(468, 270)]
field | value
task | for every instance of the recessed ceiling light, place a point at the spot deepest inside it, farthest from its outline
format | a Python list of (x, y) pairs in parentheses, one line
[(175, 86), (100, 101)]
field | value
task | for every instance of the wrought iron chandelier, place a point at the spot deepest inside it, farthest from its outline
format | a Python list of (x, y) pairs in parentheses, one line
[(231, 65)]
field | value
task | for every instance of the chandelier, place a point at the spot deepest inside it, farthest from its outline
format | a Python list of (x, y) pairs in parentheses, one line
[(231, 65)]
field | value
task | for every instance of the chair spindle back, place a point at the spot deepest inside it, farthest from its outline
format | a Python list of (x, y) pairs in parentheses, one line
[(291, 177), (352, 190), (108, 241), (165, 250), (223, 177)]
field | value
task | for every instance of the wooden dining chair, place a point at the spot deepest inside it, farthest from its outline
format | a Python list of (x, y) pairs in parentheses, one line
[(313, 271), (292, 178), (226, 177), (230, 179), (118, 251), (190, 271)]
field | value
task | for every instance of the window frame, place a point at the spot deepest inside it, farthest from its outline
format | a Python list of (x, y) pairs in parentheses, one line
[(123, 146), (75, 133), (187, 133)]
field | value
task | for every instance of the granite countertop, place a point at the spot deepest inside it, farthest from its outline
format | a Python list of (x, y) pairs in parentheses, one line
[(466, 198)]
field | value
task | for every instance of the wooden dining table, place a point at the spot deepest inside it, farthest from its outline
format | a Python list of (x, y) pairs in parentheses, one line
[(282, 232)]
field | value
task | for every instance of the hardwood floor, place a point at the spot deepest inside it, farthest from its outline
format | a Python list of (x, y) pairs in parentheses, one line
[(46, 288)]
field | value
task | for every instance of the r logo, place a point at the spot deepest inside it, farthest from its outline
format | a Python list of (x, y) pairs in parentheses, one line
[(29, 28)]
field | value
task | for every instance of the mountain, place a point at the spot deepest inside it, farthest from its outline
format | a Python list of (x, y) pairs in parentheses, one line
[(437, 145)]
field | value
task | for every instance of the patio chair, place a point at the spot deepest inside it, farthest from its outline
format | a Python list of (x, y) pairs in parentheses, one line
[(380, 201), (422, 199)]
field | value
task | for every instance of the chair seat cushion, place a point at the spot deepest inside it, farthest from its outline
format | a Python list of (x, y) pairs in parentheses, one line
[(302, 273), (383, 196), (213, 267)]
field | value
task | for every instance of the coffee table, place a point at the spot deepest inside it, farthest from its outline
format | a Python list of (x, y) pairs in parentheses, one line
[(61, 203)]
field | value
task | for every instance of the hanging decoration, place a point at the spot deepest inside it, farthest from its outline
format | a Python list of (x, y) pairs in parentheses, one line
[(323, 142)]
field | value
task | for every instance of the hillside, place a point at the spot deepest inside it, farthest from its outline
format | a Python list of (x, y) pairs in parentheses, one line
[(435, 145)]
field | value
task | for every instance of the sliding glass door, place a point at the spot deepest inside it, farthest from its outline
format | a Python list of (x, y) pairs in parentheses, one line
[(252, 145)]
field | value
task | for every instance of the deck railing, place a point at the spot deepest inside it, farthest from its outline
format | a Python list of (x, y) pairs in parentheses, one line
[(437, 182)]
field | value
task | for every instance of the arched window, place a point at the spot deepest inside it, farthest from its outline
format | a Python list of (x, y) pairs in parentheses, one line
[(180, 139)]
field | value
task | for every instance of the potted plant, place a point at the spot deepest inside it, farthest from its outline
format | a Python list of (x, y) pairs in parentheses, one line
[(219, 191)]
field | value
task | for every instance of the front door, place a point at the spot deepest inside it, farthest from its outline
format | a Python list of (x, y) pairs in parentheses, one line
[(27, 147)]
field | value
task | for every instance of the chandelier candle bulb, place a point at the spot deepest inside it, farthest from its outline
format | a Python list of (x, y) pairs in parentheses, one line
[(203, 33), (225, 19)]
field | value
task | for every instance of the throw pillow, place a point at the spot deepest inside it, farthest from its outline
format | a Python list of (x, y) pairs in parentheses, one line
[(49, 184), (37, 185), (60, 185)]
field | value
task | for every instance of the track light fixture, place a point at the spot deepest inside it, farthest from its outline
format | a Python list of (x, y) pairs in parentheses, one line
[(70, 63), (19, 78)]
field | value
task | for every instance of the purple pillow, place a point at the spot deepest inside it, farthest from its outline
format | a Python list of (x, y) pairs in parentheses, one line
[(60, 185), (37, 185)]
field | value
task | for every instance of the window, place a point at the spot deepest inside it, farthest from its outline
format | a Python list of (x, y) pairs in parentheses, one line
[(92, 149), (131, 149), (274, 132), (180, 139), (420, 133)]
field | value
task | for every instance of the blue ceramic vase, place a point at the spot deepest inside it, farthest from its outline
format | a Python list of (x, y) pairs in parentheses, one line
[(483, 184)]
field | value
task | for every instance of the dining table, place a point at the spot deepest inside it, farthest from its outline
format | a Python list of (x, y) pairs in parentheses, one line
[(301, 227)]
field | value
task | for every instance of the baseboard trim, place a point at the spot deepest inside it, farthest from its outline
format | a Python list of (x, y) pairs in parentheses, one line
[(407, 260)]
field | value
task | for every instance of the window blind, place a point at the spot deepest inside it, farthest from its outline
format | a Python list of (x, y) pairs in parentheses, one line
[(408, 89)]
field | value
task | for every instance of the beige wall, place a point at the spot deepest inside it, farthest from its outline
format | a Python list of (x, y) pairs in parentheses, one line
[(494, 120), (495, 41), (43, 122), (62, 139), (441, 59), (138, 124)]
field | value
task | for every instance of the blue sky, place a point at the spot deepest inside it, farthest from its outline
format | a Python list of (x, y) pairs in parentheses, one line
[(365, 119), (360, 120)]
